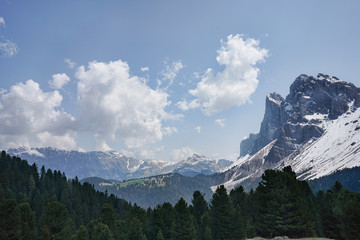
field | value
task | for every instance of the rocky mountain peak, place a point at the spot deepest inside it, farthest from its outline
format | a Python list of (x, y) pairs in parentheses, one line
[(315, 129), (296, 119), (323, 95)]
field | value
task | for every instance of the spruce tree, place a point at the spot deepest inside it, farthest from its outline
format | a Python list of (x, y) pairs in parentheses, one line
[(284, 205), (107, 216), (81, 234), (10, 220), (28, 222), (221, 214), (160, 236), (184, 227), (199, 206), (135, 231), (55, 221)]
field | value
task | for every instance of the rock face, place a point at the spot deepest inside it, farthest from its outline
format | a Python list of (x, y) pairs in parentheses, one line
[(290, 125), (295, 120)]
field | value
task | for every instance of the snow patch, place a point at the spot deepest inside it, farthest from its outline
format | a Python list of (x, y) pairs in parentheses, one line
[(276, 101), (338, 148)]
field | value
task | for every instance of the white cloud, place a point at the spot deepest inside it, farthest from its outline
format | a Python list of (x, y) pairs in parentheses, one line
[(30, 117), (144, 69), (117, 106), (127, 153), (181, 153), (169, 130), (235, 84), (150, 153), (8, 48), (184, 105), (170, 72), (59, 80), (198, 129), (71, 64), (220, 122)]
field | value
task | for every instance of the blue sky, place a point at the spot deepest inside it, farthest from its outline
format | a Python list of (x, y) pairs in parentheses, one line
[(161, 79)]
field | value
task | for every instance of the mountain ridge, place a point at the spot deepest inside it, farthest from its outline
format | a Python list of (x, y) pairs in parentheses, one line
[(114, 165), (318, 111)]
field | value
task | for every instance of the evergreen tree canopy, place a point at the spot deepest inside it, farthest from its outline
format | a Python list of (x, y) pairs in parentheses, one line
[(184, 227), (284, 205), (221, 214)]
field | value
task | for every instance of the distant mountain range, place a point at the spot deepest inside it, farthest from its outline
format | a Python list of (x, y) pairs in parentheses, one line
[(114, 165), (315, 130)]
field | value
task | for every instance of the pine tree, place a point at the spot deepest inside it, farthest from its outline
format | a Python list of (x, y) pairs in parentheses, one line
[(135, 231), (10, 220), (221, 214), (238, 197), (184, 227), (99, 231), (28, 222), (239, 224), (160, 236), (199, 206), (81, 234), (162, 219), (107, 216), (55, 221), (284, 205)]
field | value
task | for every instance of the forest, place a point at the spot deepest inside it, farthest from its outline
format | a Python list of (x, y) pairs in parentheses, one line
[(44, 204)]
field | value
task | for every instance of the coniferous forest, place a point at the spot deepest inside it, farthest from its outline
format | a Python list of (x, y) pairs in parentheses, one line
[(43, 204)]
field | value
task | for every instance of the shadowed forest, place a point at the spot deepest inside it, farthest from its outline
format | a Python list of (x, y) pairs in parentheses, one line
[(44, 204)]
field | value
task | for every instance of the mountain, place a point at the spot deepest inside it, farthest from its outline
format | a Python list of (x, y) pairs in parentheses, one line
[(315, 130), (201, 164), (114, 165), (152, 191)]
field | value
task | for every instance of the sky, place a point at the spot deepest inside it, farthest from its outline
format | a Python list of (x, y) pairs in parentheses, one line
[(161, 79)]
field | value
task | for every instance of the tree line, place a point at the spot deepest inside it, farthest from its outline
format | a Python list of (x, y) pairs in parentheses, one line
[(46, 205)]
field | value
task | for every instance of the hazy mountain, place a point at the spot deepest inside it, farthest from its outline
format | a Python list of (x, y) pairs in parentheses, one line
[(114, 165)]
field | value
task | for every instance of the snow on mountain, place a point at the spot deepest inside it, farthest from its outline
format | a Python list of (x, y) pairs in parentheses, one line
[(114, 165), (338, 148), (201, 164), (315, 129)]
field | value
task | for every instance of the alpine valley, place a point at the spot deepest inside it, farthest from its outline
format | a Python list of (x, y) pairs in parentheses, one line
[(315, 130)]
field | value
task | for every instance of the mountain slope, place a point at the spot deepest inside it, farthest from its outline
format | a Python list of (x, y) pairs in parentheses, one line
[(151, 191), (315, 130)]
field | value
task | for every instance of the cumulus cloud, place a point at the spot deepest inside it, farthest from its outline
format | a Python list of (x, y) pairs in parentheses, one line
[(71, 64), (144, 69), (170, 72), (198, 129), (181, 153), (59, 80), (118, 106), (235, 84), (220, 122), (7, 47), (31, 117)]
